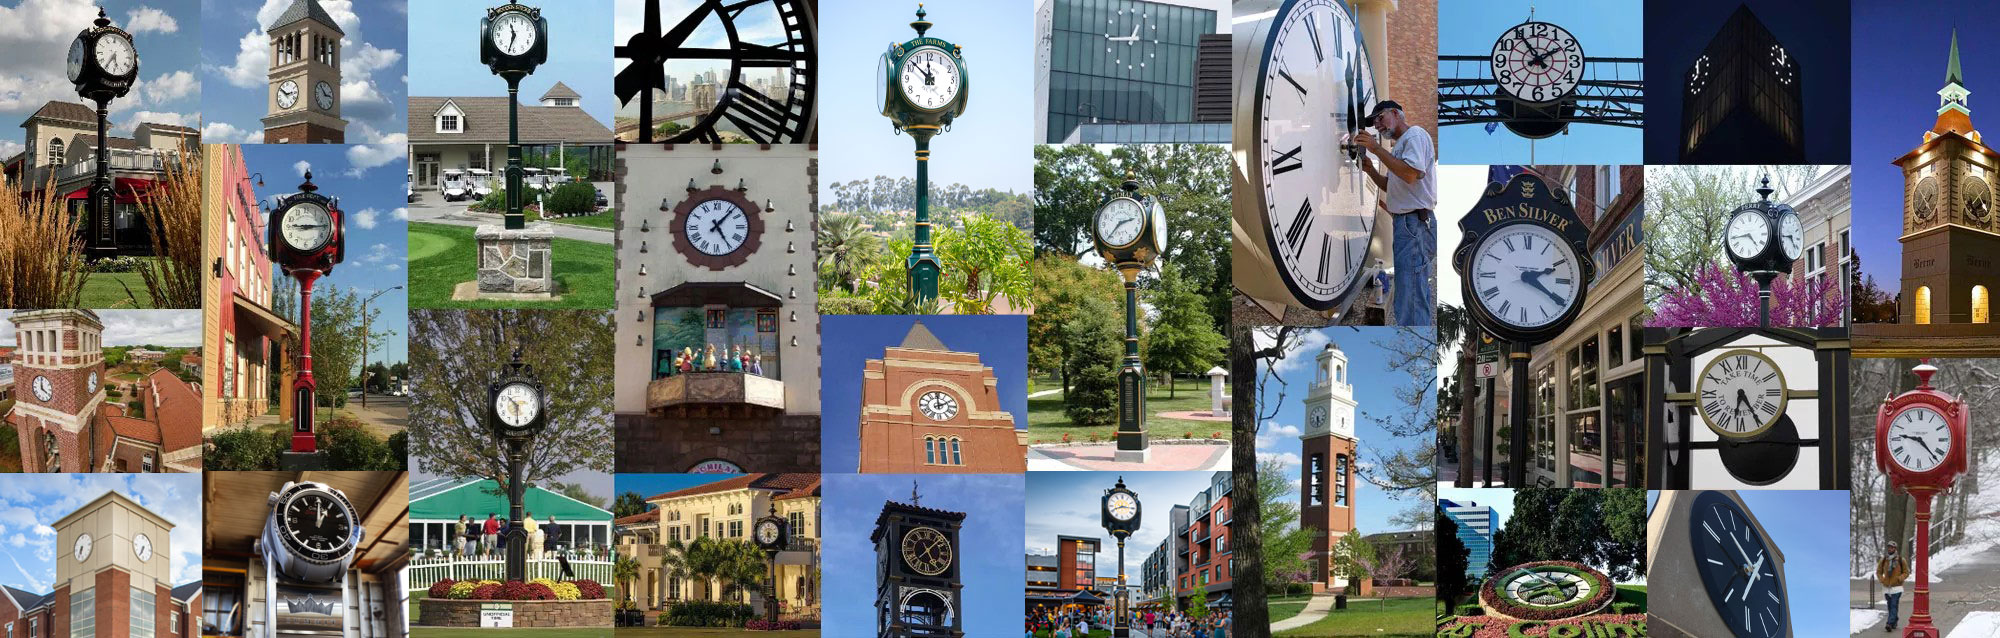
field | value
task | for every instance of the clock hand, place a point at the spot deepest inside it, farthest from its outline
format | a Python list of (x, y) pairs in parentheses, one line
[(1739, 548), (1534, 280)]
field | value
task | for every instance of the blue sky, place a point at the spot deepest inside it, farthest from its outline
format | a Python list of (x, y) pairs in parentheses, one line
[(1604, 29), (993, 572), (168, 328), (236, 60), (1071, 504), (376, 225), (1375, 385), (33, 502), (1815, 32), (862, 337), (1810, 527), (37, 37), (1902, 55), (446, 57), (650, 485), (987, 148)]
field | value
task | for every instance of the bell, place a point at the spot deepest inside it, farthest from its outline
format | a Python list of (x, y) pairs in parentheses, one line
[(717, 168)]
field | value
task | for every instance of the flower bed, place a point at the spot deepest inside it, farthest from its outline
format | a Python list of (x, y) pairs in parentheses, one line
[(1602, 591), (1598, 626)]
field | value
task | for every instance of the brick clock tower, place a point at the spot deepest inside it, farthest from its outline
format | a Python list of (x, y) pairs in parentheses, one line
[(925, 408), (1327, 464), (115, 556), (58, 376), (304, 96), (1951, 241)]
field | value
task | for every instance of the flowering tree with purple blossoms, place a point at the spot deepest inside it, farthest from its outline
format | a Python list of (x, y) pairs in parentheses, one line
[(1724, 298)]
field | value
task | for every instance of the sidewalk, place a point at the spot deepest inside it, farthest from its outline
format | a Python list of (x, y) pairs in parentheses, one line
[(1315, 610), (1962, 594)]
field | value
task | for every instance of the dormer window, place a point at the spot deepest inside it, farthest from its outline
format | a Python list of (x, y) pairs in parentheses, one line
[(449, 118), (562, 101), (448, 124)]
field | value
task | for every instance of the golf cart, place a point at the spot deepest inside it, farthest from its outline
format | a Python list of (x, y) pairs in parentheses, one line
[(410, 186), (534, 180), (456, 187), (557, 176), (482, 183)]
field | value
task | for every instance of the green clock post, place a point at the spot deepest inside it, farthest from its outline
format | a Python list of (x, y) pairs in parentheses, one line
[(514, 259), (921, 85), (1130, 231)]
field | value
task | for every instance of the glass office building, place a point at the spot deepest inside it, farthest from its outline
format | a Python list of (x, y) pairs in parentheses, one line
[(1741, 103), (1475, 530), (1114, 62)]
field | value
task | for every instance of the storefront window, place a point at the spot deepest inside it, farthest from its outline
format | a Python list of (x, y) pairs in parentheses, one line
[(1636, 335), (1583, 375), (1616, 342), (1545, 417)]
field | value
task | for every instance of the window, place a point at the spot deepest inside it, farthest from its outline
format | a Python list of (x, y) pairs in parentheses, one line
[(146, 463), (1340, 480), (716, 317), (83, 614), (767, 321), (219, 607), (174, 622), (930, 451), (1814, 259), (1846, 249), (1980, 299), (797, 522), (1315, 474), (142, 613), (1922, 308), (1607, 188), (1221, 543), (56, 152), (736, 529), (955, 459), (448, 124)]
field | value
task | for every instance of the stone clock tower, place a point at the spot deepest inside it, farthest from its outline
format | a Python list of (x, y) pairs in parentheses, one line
[(58, 380), (1951, 241), (1327, 464), (925, 408), (304, 94), (918, 587)]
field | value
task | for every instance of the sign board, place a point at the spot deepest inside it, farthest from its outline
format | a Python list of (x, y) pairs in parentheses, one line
[(1621, 242), (1488, 369), (715, 466), (309, 610), (496, 615)]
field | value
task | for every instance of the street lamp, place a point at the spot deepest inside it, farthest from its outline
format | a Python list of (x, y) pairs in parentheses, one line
[(364, 342), (517, 410)]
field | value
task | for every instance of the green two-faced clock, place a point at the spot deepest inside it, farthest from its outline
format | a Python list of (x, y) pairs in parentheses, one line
[(513, 38), (922, 82)]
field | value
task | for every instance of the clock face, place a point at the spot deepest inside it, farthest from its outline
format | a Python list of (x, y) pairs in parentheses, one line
[(514, 33), (318, 525), (1317, 421), (1783, 66), (1318, 208), (1546, 587), (1119, 222), (1978, 198), (930, 79), (323, 94), (1741, 394), (142, 547), (517, 404), (75, 59), (1537, 62), (307, 226), (1791, 235), (115, 55), (937, 406), (1747, 233), (1123, 506), (716, 227), (1919, 438), (1699, 75), (288, 94), (1134, 49), (882, 82), (1738, 568), (767, 532), (82, 548), (1526, 275), (1923, 201), (1159, 226), (927, 551), (43, 389), (90, 382)]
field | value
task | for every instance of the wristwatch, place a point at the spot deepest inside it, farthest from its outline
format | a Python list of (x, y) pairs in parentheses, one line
[(312, 534)]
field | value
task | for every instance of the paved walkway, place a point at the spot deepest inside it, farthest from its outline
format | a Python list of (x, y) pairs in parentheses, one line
[(1037, 395), (1316, 609), (1165, 457), (436, 211), (1959, 593)]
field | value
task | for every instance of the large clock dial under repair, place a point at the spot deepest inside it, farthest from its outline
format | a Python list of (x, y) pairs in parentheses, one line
[(1738, 567), (717, 228)]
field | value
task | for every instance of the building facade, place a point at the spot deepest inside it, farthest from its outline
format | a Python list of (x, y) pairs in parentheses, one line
[(1206, 563), (61, 140), (1475, 531), (1129, 71), (1949, 233), (726, 510), (63, 420), (113, 579), (719, 296), (928, 408), (1826, 213), (1327, 468), (242, 338), (304, 77), (470, 132), (1741, 103)]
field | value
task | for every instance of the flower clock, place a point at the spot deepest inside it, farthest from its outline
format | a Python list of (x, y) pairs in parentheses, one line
[(1546, 590)]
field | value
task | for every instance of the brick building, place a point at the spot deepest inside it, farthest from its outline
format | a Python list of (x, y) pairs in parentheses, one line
[(61, 138), (113, 565), (242, 339), (65, 423), (1205, 562), (928, 408)]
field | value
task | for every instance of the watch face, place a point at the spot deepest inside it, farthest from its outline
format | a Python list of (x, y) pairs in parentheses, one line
[(517, 404), (1741, 394), (323, 94), (1923, 201), (1123, 506), (1747, 233), (1791, 236), (937, 406), (90, 382), (142, 547), (75, 59), (927, 551), (1537, 62), (716, 227), (1919, 438), (514, 33), (114, 54), (82, 548), (1738, 569), (43, 389), (1318, 208), (767, 533), (288, 94), (1978, 198), (929, 78), (317, 524), (1120, 221), (307, 226), (1526, 275)]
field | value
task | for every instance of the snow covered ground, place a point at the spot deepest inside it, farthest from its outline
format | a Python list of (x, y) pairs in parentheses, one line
[(1978, 624), (1859, 620)]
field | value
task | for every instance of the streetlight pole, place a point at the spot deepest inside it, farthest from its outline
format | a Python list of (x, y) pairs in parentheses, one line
[(364, 342)]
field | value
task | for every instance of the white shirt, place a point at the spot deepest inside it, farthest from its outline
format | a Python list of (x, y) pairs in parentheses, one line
[(1413, 148)]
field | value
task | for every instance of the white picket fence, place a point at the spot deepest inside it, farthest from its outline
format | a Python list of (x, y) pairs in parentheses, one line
[(426, 571)]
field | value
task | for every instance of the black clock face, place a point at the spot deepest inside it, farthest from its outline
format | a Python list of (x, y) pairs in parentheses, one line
[(317, 524), (1923, 201), (1977, 197), (764, 75), (927, 551), (1738, 568)]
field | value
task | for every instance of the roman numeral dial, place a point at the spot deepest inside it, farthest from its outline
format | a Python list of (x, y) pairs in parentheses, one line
[(1919, 438), (1741, 394), (1526, 276)]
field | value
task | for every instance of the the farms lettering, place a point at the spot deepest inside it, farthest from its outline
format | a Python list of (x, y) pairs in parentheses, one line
[(1524, 211)]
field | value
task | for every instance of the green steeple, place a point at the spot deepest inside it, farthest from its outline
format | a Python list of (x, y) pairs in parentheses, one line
[(1951, 74)]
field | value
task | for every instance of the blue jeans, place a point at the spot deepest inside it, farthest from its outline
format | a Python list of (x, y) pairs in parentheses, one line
[(1893, 600), (1415, 248)]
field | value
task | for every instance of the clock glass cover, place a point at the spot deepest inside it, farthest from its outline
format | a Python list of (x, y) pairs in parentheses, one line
[(1537, 62), (767, 532), (1919, 438), (1978, 198), (1741, 394), (938, 406), (75, 59), (1119, 222), (1747, 233), (1526, 275), (114, 54), (1546, 587), (323, 93), (317, 525), (929, 78), (1924, 200), (1738, 569), (716, 227), (307, 226), (1317, 421), (288, 94), (927, 551), (90, 382), (514, 33), (1791, 235), (1123, 506), (517, 405)]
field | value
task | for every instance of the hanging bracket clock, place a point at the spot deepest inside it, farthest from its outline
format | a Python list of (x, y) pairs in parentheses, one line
[(1536, 68), (1769, 398), (789, 57), (1522, 263), (310, 539), (1920, 443)]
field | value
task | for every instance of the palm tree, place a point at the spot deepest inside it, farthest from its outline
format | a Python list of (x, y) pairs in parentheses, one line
[(625, 569), (843, 245), (673, 564)]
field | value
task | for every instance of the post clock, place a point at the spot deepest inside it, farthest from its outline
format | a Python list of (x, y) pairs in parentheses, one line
[(1130, 231), (103, 64), (517, 411), (1763, 238), (1121, 519), (918, 587), (771, 533), (305, 238), (922, 88), (513, 40), (1920, 443)]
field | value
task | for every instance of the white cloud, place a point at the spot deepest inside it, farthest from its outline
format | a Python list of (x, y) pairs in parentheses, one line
[(17, 540), (360, 92), (365, 218), (377, 253), (144, 18), (9, 147), (367, 59), (301, 167), (44, 530), (253, 61), (401, 214), (367, 156), (135, 118), (169, 86), (225, 133)]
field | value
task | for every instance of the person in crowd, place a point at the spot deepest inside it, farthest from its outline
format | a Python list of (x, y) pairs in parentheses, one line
[(490, 538)]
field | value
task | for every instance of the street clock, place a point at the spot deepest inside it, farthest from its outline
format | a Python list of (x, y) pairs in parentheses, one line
[(103, 63), (517, 405), (513, 39)]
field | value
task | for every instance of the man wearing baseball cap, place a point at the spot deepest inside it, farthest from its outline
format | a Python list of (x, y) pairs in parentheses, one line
[(1409, 177)]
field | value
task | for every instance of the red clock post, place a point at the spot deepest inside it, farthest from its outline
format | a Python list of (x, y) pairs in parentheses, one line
[(1920, 443), (305, 237)]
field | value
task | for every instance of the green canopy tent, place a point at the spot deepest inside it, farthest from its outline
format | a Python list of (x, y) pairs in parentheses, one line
[(436, 503)]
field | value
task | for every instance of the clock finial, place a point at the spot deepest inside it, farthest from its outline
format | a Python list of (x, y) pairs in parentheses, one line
[(307, 186), (102, 22), (1765, 189), (1924, 370), (914, 498), (1131, 184), (921, 25)]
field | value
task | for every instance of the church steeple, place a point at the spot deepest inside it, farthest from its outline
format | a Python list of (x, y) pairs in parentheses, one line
[(1953, 114), (1951, 75)]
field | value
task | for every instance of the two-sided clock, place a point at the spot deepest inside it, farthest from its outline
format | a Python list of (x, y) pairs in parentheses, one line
[(103, 63), (516, 402), (1924, 198), (306, 231), (323, 95), (1738, 566), (1130, 229), (312, 533), (1764, 236), (1537, 62), (513, 39), (1121, 510), (770, 532), (717, 228)]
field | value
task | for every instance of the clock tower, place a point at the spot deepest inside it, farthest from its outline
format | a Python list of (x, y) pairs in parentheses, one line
[(1949, 233), (917, 582), (1327, 464), (304, 96), (58, 373), (926, 408)]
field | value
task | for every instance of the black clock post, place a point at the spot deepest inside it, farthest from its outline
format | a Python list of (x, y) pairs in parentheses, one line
[(772, 533), (517, 434), (1121, 528), (1772, 253), (514, 260), (1130, 256), (103, 65)]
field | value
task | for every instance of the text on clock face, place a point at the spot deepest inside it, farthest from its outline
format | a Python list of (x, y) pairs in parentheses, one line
[(1919, 439), (317, 524), (1120, 222), (1315, 203), (1741, 392), (307, 226), (930, 78), (1123, 506), (1525, 275), (514, 33), (717, 227)]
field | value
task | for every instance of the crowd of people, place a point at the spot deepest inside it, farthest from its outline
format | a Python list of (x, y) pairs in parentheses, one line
[(1079, 623), (488, 539)]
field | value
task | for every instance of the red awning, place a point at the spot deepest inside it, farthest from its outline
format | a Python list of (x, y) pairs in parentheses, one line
[(127, 190)]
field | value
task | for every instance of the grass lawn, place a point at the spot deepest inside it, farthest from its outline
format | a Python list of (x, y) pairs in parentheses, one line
[(537, 632), (1284, 609), (1398, 618), (606, 219), (700, 632), (1048, 424), (107, 290), (443, 256)]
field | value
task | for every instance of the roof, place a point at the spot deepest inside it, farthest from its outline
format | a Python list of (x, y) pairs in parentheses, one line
[(920, 338), (647, 516), (303, 10), (1951, 74), (177, 409), (445, 499), (787, 485), (170, 128), (889, 507), (131, 428), (486, 122), (66, 111), (87, 141), (561, 90), (24, 599), (186, 591)]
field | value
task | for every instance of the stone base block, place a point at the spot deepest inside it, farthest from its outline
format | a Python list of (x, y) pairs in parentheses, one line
[(1133, 456), (469, 291), (515, 261), (435, 612)]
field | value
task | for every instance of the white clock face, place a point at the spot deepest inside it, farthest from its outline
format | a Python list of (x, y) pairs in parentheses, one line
[(1159, 226), (930, 78), (142, 547), (43, 389), (767, 533), (90, 383), (75, 59), (1741, 393), (82, 548), (1526, 275), (938, 406), (1537, 62), (307, 226), (1119, 222), (1919, 439), (1123, 506), (517, 405), (514, 33), (717, 227), (114, 54), (1698, 75), (1319, 211), (323, 94), (1747, 233), (288, 94), (1791, 236)]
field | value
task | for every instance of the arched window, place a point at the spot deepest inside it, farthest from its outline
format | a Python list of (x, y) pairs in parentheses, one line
[(51, 453), (56, 152), (1980, 299), (930, 450), (1921, 311), (955, 459)]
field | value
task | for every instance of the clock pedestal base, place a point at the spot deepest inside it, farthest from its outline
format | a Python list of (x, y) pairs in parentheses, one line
[(290, 461), (515, 264)]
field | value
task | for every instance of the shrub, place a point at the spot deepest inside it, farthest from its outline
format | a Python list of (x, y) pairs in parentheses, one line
[(1624, 608), (565, 591), (463, 589), (117, 264), (536, 591), (244, 449), (706, 614), (486, 592), (544, 581), (493, 202), (844, 306), (349, 446), (442, 588), (574, 198), (765, 625), (588, 589), (1470, 609), (399, 446)]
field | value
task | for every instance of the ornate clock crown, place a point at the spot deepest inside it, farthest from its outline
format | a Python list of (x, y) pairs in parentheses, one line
[(308, 186), (101, 21), (518, 368), (1131, 184), (921, 25)]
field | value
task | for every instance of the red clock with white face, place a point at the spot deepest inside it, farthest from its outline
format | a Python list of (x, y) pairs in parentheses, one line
[(1920, 435)]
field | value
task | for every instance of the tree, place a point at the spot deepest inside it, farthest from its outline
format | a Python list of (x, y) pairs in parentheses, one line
[(1871, 304), (1094, 340), (984, 260), (1248, 349), (1453, 570), (1197, 605), (844, 245), (571, 352), (1724, 298), (624, 569), (1183, 339), (1577, 526), (1686, 208), (578, 492), (628, 504), (1285, 542), (1353, 558), (337, 341), (1389, 565), (378, 377), (1060, 283)]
